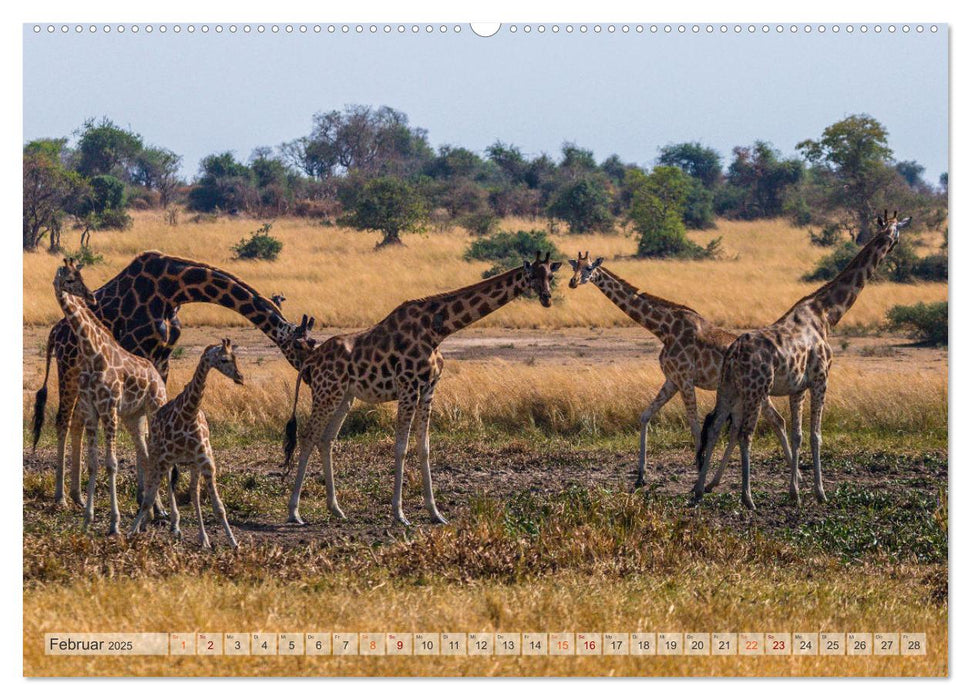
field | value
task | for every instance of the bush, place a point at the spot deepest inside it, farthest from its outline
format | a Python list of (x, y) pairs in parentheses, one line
[(87, 257), (259, 246), (902, 265), (479, 223), (657, 213), (508, 249), (827, 237), (114, 219), (928, 322)]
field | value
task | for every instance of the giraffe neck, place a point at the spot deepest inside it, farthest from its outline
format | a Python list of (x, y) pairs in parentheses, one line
[(452, 311), (190, 399), (835, 298), (174, 281), (654, 313), (94, 339)]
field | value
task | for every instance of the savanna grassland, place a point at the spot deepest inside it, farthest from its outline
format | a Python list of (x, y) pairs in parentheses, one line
[(533, 456)]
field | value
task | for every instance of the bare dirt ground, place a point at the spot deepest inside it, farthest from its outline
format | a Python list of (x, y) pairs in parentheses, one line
[(561, 346)]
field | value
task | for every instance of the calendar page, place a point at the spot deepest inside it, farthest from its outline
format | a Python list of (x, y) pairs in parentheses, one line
[(514, 349)]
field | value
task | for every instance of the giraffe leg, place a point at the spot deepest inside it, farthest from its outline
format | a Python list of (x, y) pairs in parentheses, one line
[(795, 442), (110, 426), (209, 474), (175, 518), (153, 481), (423, 418), (320, 416), (91, 433), (717, 478), (77, 440), (197, 505), (326, 448), (817, 399), (668, 390), (63, 424), (407, 404), (778, 424)]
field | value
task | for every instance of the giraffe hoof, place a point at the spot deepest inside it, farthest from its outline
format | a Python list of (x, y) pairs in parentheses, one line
[(748, 503), (338, 513), (439, 519), (640, 483), (696, 497), (795, 499), (403, 520), (113, 531), (821, 497), (78, 501), (711, 487), (295, 520)]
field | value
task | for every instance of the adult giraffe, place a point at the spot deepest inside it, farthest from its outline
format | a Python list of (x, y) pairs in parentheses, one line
[(140, 306), (789, 358), (397, 360), (691, 356)]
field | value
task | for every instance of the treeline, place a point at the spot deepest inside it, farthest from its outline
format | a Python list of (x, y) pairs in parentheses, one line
[(370, 168)]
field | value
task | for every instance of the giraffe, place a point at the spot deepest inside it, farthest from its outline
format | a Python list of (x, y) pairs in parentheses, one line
[(278, 299), (691, 356), (113, 385), (397, 360), (179, 434), (789, 358), (140, 307)]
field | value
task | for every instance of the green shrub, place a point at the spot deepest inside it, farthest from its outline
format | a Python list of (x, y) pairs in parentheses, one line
[(86, 256), (657, 212), (259, 246), (584, 204), (508, 249), (481, 222), (928, 322), (828, 236)]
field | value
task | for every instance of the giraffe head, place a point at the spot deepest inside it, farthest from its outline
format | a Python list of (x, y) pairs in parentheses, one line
[(583, 269), (539, 276), (222, 359), (296, 339), (68, 280), (890, 226)]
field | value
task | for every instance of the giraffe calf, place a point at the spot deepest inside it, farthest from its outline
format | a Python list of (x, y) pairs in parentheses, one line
[(179, 435)]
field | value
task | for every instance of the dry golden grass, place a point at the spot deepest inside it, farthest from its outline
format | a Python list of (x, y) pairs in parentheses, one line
[(574, 398), (336, 275), (700, 598)]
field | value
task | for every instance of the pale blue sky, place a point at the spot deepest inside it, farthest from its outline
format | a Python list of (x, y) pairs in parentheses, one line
[(626, 94)]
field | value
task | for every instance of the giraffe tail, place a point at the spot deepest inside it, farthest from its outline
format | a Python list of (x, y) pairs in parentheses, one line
[(40, 398), (290, 432), (707, 437)]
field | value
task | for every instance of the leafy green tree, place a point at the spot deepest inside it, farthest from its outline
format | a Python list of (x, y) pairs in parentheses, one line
[(386, 204), (224, 184), (584, 204), (51, 192), (106, 149), (912, 172), (854, 154), (508, 249), (696, 160), (657, 213)]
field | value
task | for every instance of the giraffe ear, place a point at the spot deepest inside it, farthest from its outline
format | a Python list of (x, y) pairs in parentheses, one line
[(554, 266), (903, 223), (527, 265), (598, 262), (574, 264)]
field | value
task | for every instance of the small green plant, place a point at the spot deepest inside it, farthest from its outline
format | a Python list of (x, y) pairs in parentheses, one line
[(259, 246), (508, 249), (927, 322), (177, 353)]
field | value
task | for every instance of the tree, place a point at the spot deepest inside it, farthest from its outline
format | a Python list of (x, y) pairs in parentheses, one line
[(912, 172), (51, 191), (657, 213), (224, 184), (854, 154), (107, 149), (584, 203), (386, 204), (157, 169), (757, 182), (694, 159)]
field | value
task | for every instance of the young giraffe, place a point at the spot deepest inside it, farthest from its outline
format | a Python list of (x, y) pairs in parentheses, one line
[(113, 385), (140, 307), (179, 434), (789, 358), (397, 360), (691, 356)]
